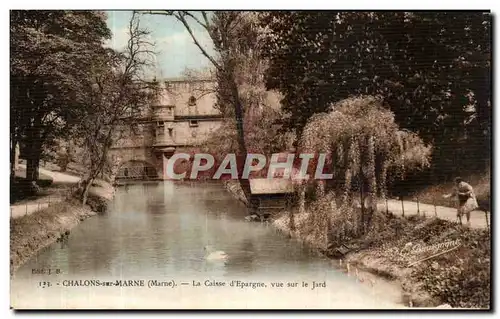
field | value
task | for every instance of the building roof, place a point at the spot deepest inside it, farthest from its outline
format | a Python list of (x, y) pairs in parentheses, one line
[(260, 186), (185, 79)]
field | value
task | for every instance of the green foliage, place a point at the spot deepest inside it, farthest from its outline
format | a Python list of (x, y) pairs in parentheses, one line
[(262, 135), (363, 143), (241, 54), (432, 68), (65, 155), (323, 220), (348, 125), (52, 53), (461, 278), (116, 93)]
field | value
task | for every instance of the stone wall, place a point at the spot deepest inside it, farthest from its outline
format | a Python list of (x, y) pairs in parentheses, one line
[(183, 115)]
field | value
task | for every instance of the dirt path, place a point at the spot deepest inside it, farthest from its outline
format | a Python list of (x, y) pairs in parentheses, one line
[(29, 207), (477, 218), (100, 189), (57, 176)]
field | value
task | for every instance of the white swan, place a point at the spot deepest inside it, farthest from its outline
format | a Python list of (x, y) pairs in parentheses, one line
[(213, 255)]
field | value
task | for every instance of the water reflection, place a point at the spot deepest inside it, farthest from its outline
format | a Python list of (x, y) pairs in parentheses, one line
[(159, 229), (242, 261)]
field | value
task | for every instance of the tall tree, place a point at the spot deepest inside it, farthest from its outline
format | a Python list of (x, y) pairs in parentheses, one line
[(222, 28), (363, 143), (261, 107), (118, 92), (51, 53), (429, 67)]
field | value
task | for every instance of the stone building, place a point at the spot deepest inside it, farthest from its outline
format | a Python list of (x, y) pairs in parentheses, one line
[(182, 116)]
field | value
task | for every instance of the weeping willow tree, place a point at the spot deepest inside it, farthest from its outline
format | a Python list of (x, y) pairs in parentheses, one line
[(363, 144)]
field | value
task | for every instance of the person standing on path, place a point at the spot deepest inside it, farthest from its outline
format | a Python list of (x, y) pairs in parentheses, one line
[(467, 201)]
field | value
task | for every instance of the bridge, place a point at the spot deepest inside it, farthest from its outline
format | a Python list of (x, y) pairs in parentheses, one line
[(182, 116)]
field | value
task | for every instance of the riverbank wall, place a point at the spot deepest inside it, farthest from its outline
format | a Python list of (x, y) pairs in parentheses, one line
[(433, 262), (31, 233)]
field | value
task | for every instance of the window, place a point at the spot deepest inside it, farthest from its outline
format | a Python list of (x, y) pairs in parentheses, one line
[(170, 131), (160, 131), (160, 124), (192, 101), (193, 123)]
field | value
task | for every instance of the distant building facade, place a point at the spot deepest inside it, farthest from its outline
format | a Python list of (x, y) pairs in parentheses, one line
[(182, 116)]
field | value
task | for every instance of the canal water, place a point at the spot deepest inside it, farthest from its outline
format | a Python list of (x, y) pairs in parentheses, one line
[(156, 233)]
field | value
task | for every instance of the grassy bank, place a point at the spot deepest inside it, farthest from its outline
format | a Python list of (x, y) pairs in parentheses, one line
[(459, 277), (433, 261), (31, 233)]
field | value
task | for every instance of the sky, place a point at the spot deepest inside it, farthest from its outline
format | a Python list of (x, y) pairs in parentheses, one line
[(175, 48)]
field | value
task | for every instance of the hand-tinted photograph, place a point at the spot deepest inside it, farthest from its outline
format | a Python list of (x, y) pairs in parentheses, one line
[(279, 160)]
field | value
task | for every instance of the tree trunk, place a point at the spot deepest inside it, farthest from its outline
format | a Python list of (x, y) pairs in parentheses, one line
[(33, 150), (36, 166), (29, 168), (371, 178), (292, 222), (86, 189), (382, 184), (330, 238), (348, 150), (302, 199), (32, 165), (100, 162), (362, 158), (29, 155), (482, 133), (361, 225), (320, 189), (238, 111), (13, 157)]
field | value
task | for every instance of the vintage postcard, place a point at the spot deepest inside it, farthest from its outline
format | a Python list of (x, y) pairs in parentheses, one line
[(165, 159)]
